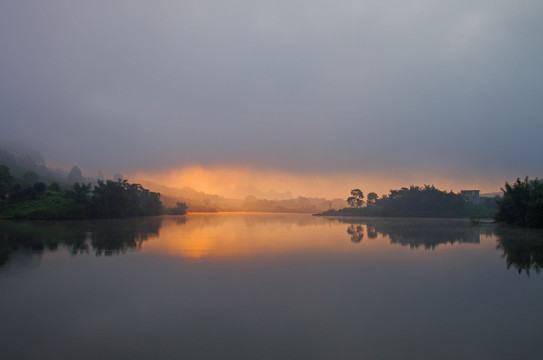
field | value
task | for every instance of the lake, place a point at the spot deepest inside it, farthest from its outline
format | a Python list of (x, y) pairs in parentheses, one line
[(269, 286)]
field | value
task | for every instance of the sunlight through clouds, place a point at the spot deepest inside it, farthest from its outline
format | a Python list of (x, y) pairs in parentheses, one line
[(362, 89)]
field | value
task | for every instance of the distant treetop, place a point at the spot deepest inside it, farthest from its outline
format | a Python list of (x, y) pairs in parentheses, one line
[(75, 175)]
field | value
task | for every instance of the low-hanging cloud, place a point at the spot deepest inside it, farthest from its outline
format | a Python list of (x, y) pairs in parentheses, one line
[(304, 86)]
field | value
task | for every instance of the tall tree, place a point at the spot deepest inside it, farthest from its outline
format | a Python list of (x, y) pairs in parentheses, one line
[(372, 198), (356, 198), (522, 203)]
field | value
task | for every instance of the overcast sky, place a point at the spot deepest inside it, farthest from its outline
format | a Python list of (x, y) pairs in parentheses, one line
[(447, 88)]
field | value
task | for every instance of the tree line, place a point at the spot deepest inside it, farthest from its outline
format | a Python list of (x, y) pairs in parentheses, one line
[(521, 204), (23, 198), (415, 201)]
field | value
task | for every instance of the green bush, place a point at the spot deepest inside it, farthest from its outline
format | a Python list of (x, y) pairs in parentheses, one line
[(522, 203)]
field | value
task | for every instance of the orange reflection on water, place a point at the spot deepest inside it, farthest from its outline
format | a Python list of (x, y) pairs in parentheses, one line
[(228, 235), (242, 235)]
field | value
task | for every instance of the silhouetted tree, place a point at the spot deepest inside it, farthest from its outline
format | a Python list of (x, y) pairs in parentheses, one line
[(118, 199), (424, 201), (180, 209), (522, 203), (372, 198), (356, 198)]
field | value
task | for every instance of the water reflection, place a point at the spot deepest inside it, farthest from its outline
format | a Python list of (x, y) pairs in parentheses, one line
[(267, 286), (110, 237), (415, 233), (372, 232), (233, 236), (356, 232), (229, 236), (102, 237), (522, 249)]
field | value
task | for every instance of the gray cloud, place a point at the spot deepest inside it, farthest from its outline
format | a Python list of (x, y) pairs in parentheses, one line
[(453, 87)]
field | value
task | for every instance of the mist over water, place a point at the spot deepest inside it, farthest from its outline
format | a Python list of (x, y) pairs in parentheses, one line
[(269, 286)]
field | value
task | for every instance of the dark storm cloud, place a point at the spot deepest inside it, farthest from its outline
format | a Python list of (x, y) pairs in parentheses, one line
[(450, 86)]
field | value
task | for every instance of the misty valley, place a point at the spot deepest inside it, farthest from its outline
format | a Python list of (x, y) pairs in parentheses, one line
[(271, 179), (253, 285), (30, 190)]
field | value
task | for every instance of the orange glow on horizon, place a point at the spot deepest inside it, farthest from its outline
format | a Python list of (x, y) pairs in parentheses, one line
[(238, 182)]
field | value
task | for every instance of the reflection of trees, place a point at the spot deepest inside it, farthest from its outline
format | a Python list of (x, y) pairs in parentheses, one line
[(372, 233), (113, 237), (356, 232), (416, 233), (430, 238), (34, 237), (522, 248), (104, 237)]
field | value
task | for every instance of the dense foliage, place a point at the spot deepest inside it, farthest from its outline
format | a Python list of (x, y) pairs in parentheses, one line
[(427, 202), (108, 199), (522, 203), (356, 199), (416, 201), (179, 209), (118, 199)]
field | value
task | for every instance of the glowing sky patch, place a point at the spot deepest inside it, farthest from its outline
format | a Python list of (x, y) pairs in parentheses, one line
[(302, 92), (236, 182)]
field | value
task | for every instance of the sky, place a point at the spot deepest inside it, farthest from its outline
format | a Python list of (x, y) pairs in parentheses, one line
[(314, 96)]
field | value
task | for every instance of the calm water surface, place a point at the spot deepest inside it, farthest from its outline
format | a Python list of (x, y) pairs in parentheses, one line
[(268, 286)]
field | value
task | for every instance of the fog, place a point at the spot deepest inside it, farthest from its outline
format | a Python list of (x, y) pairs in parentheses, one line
[(406, 90)]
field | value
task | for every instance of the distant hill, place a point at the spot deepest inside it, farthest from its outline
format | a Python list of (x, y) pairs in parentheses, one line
[(199, 201), (241, 192), (21, 158)]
